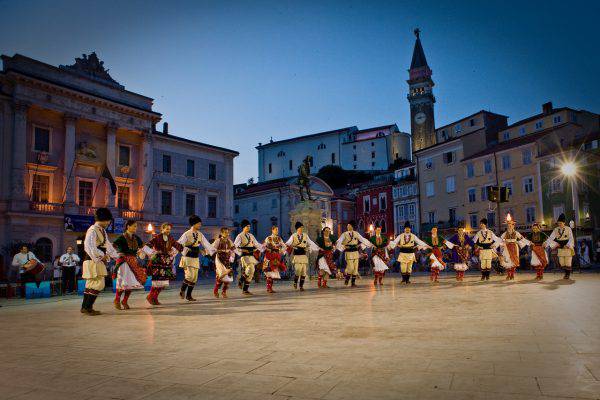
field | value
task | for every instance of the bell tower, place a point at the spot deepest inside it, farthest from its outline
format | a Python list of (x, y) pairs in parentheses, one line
[(421, 99)]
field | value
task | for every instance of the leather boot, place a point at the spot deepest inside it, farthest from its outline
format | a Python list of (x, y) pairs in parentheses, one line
[(346, 280), (245, 289), (296, 277), (188, 296), (125, 303), (91, 310), (353, 281), (216, 289), (183, 289), (302, 283)]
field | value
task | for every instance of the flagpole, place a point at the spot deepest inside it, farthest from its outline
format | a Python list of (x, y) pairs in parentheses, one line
[(147, 190), (64, 196)]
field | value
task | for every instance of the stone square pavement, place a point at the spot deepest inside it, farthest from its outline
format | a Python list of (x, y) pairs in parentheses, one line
[(522, 340)]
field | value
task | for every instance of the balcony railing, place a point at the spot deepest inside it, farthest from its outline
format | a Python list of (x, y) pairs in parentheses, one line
[(46, 208), (131, 214)]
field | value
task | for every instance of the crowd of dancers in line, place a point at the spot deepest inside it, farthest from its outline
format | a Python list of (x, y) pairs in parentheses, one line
[(161, 250)]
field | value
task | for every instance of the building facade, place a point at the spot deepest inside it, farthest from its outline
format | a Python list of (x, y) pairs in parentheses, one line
[(373, 149), (266, 204), (522, 161), (374, 206), (60, 128), (343, 211), (405, 195)]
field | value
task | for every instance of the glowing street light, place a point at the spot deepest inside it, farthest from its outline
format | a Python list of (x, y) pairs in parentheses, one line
[(149, 228), (569, 169)]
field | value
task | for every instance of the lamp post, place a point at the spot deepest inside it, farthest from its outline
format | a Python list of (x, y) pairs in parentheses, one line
[(569, 170)]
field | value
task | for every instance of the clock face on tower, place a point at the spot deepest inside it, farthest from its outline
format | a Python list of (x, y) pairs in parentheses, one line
[(420, 118)]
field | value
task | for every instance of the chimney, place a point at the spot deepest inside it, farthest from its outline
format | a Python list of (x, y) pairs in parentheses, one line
[(165, 128), (547, 108)]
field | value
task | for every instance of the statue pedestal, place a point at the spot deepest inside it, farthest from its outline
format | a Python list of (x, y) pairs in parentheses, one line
[(310, 215)]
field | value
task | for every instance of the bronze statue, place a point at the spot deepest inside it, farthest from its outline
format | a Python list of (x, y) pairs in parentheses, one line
[(304, 178)]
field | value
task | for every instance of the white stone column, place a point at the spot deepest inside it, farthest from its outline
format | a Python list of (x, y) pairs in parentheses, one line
[(19, 154), (111, 147), (69, 163), (228, 195), (148, 179)]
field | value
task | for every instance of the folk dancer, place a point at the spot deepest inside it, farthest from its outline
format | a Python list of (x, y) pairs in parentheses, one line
[(98, 251), (248, 248), (29, 267), (300, 245), (486, 242), (407, 242), (274, 250), (192, 239), (161, 250), (436, 262), (512, 241), (68, 262), (562, 238), (349, 242), (379, 255), (223, 260), (539, 258), (129, 274), (461, 245), (325, 264)]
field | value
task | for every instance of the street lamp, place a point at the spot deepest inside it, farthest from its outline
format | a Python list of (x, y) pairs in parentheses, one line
[(569, 170)]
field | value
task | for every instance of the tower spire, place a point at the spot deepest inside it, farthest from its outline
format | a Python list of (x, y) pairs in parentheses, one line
[(418, 58)]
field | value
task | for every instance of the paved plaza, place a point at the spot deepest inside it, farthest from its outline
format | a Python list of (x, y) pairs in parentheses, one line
[(493, 340)]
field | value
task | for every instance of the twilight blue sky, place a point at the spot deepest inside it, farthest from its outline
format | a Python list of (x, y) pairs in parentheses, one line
[(234, 73)]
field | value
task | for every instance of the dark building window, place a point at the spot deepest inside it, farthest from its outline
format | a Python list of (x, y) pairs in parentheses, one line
[(41, 188), (212, 171), (123, 197), (451, 215), (124, 156), (333, 158), (166, 203), (43, 249), (85, 194), (41, 139), (270, 168), (291, 165), (237, 209), (372, 154), (166, 163), (212, 207), (190, 204), (190, 168)]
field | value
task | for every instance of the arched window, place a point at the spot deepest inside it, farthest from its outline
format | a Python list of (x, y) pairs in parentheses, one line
[(43, 249)]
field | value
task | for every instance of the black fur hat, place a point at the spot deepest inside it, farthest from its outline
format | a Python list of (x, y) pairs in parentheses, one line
[(103, 214), (194, 219), (407, 224), (483, 221), (561, 218), (245, 223), (298, 225)]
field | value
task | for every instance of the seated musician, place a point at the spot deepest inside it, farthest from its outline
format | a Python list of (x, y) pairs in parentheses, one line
[(29, 266)]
